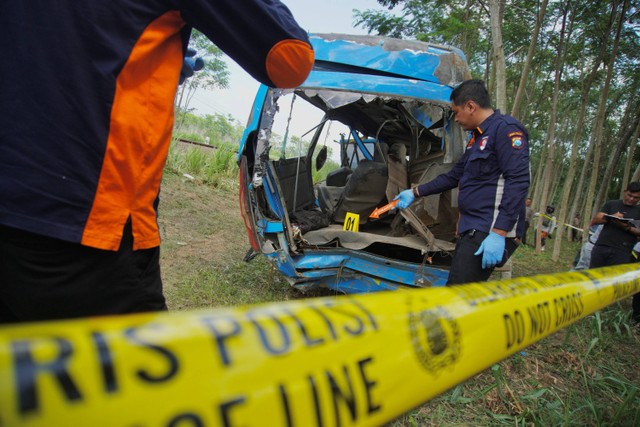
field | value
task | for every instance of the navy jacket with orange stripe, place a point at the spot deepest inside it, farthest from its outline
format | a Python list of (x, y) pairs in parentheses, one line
[(86, 106)]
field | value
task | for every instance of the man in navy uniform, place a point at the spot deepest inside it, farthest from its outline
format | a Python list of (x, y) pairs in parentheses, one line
[(493, 180)]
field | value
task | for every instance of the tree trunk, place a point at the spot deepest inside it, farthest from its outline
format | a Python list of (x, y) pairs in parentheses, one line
[(589, 208), (636, 173), (487, 68), (568, 214), (495, 14), (515, 111), (464, 37), (629, 161), (551, 129), (623, 137)]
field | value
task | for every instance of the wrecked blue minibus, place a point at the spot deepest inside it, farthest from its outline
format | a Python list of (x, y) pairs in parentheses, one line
[(373, 116)]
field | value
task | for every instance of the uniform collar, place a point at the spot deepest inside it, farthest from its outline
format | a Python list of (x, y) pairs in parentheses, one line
[(487, 122)]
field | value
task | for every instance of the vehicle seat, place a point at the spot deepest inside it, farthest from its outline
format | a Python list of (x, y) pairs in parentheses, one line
[(338, 177), (328, 193), (381, 152), (328, 197), (364, 191)]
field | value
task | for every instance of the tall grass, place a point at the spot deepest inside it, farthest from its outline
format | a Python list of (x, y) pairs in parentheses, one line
[(212, 166), (321, 175)]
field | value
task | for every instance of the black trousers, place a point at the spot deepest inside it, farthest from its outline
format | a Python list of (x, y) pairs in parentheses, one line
[(603, 256), (42, 278), (467, 267)]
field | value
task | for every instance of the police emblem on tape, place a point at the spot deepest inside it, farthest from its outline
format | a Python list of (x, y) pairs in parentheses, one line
[(435, 337)]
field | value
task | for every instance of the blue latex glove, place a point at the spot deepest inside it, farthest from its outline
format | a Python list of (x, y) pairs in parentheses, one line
[(406, 197), (492, 250), (190, 65)]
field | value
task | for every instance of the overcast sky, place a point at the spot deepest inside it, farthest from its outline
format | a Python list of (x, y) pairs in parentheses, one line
[(316, 16)]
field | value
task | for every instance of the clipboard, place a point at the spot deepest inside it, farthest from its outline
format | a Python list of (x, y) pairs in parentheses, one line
[(615, 218)]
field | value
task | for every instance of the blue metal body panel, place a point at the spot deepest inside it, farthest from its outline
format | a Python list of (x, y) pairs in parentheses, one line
[(382, 85), (272, 196), (271, 226), (412, 59), (349, 272), (360, 143), (254, 117)]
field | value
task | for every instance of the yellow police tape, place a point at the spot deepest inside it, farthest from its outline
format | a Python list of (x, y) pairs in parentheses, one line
[(360, 360)]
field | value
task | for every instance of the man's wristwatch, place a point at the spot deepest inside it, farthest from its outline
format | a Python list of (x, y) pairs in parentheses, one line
[(415, 192)]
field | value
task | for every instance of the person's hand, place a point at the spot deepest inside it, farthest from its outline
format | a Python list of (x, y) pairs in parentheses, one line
[(492, 250), (405, 198), (625, 225), (190, 65)]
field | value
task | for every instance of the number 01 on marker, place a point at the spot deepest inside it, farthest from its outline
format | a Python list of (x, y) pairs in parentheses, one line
[(351, 222)]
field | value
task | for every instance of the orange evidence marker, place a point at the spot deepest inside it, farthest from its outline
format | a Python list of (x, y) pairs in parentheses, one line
[(386, 208)]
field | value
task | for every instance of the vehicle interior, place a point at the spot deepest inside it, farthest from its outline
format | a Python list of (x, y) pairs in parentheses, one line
[(336, 153)]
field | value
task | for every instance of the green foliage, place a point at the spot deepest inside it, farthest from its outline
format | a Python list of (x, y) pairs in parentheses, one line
[(465, 24), (457, 23), (190, 136), (321, 175), (194, 160), (215, 166), (217, 127), (215, 73), (382, 23)]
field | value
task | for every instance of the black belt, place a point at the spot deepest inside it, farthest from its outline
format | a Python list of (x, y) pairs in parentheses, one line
[(473, 232)]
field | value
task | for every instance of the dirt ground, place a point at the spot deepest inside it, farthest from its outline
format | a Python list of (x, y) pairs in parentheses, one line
[(200, 226)]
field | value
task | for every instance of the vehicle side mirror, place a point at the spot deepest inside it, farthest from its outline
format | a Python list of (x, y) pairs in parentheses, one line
[(321, 158)]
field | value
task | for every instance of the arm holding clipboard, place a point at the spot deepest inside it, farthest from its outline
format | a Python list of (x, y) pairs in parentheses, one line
[(630, 225)]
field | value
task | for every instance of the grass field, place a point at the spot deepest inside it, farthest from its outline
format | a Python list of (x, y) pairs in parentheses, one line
[(585, 375)]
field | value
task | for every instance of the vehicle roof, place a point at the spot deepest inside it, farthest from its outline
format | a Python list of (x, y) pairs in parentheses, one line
[(443, 65)]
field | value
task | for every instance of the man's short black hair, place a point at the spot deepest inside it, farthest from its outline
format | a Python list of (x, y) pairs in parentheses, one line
[(471, 90), (633, 187)]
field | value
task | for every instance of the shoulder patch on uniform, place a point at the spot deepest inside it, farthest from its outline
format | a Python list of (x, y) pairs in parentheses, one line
[(517, 133), (483, 142), (516, 142)]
